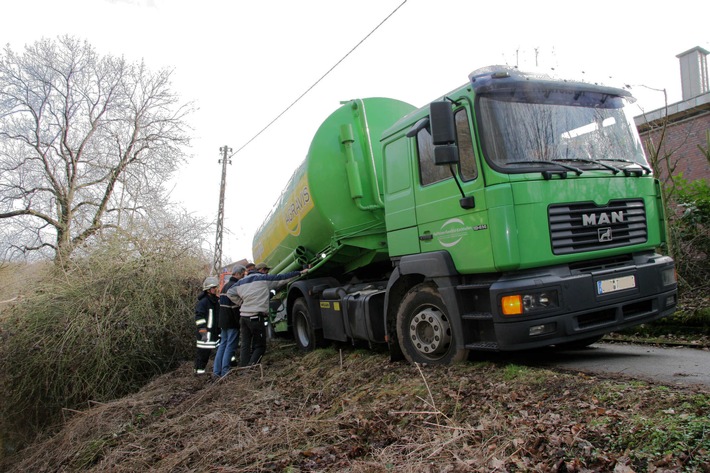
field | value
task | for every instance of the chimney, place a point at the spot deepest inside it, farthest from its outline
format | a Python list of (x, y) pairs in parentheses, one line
[(694, 72)]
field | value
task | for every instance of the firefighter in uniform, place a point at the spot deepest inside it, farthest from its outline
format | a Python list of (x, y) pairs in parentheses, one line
[(206, 323)]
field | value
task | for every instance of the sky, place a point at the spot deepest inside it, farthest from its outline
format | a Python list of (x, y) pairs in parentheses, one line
[(245, 63)]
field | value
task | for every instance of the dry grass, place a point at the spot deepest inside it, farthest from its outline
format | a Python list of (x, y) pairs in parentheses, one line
[(96, 332), (17, 281), (355, 411)]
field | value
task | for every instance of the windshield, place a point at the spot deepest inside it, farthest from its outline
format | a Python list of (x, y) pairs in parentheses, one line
[(528, 128)]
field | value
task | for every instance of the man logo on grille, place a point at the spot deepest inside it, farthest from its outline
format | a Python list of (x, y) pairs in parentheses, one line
[(603, 218), (604, 234)]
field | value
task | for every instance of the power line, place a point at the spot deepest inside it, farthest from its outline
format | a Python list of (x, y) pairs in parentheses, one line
[(321, 78)]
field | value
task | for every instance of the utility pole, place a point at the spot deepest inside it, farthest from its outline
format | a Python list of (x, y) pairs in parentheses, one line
[(220, 213)]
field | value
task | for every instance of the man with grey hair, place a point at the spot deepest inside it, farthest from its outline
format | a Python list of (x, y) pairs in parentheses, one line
[(229, 324)]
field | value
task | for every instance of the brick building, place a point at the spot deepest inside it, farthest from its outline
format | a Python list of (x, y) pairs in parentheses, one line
[(687, 121)]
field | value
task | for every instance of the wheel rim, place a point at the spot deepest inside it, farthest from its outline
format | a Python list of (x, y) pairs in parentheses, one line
[(302, 330), (430, 332)]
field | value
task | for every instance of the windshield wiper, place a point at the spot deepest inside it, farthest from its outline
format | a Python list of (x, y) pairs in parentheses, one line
[(629, 161), (591, 161), (550, 163)]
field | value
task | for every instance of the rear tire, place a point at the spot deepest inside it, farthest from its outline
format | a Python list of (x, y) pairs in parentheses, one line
[(302, 326), (424, 329)]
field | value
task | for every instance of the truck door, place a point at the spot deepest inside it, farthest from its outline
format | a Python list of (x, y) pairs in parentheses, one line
[(400, 217), (442, 222)]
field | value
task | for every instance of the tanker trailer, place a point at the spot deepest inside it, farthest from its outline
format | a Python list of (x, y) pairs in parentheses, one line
[(331, 214), (516, 211)]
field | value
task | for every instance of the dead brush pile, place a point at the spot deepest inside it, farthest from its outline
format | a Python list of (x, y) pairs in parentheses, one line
[(356, 411), (95, 331)]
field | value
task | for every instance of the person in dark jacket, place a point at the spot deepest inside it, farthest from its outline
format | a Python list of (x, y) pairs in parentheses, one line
[(206, 323), (255, 292), (228, 324)]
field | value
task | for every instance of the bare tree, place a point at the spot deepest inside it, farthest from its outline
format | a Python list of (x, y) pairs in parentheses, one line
[(686, 205), (85, 142)]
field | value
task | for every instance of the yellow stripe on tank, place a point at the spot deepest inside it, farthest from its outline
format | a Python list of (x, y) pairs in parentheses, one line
[(287, 221)]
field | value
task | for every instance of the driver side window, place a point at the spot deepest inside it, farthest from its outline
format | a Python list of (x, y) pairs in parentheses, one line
[(467, 164), (429, 173)]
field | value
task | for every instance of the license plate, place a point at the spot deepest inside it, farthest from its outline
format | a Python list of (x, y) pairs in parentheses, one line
[(606, 286)]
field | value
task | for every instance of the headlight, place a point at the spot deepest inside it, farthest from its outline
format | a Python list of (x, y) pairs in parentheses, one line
[(669, 276), (529, 302)]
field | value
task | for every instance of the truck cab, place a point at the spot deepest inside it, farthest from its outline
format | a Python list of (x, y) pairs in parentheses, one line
[(533, 198)]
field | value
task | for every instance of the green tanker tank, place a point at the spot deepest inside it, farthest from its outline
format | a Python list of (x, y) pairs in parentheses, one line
[(331, 213)]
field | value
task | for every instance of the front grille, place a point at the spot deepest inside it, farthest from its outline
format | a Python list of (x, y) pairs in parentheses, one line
[(585, 226)]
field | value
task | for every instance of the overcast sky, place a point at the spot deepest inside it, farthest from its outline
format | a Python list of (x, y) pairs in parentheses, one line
[(244, 62)]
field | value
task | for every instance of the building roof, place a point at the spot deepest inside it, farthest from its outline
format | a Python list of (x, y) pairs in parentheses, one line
[(674, 112)]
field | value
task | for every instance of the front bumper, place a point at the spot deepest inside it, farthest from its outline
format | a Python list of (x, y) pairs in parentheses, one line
[(589, 303)]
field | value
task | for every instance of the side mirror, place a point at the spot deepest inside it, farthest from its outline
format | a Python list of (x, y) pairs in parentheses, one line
[(443, 133), (446, 154), (443, 129)]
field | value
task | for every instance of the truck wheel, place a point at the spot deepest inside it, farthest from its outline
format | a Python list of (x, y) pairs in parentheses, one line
[(424, 330), (303, 331)]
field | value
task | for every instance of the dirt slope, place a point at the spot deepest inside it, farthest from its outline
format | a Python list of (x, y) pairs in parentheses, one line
[(355, 411)]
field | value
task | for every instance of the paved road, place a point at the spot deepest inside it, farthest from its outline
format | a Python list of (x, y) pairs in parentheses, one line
[(670, 366)]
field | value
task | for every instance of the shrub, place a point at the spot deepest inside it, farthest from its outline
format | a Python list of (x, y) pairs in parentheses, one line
[(690, 231), (94, 332)]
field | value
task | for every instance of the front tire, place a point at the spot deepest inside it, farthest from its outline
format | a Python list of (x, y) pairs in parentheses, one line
[(424, 328)]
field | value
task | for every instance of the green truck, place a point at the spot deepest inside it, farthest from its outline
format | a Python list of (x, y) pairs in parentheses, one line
[(515, 212)]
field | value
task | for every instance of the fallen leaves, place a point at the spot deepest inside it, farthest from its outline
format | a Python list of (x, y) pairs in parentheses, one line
[(357, 412)]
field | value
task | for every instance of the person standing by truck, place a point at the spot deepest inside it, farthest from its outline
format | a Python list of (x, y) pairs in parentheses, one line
[(228, 324), (206, 323), (250, 268), (255, 292)]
